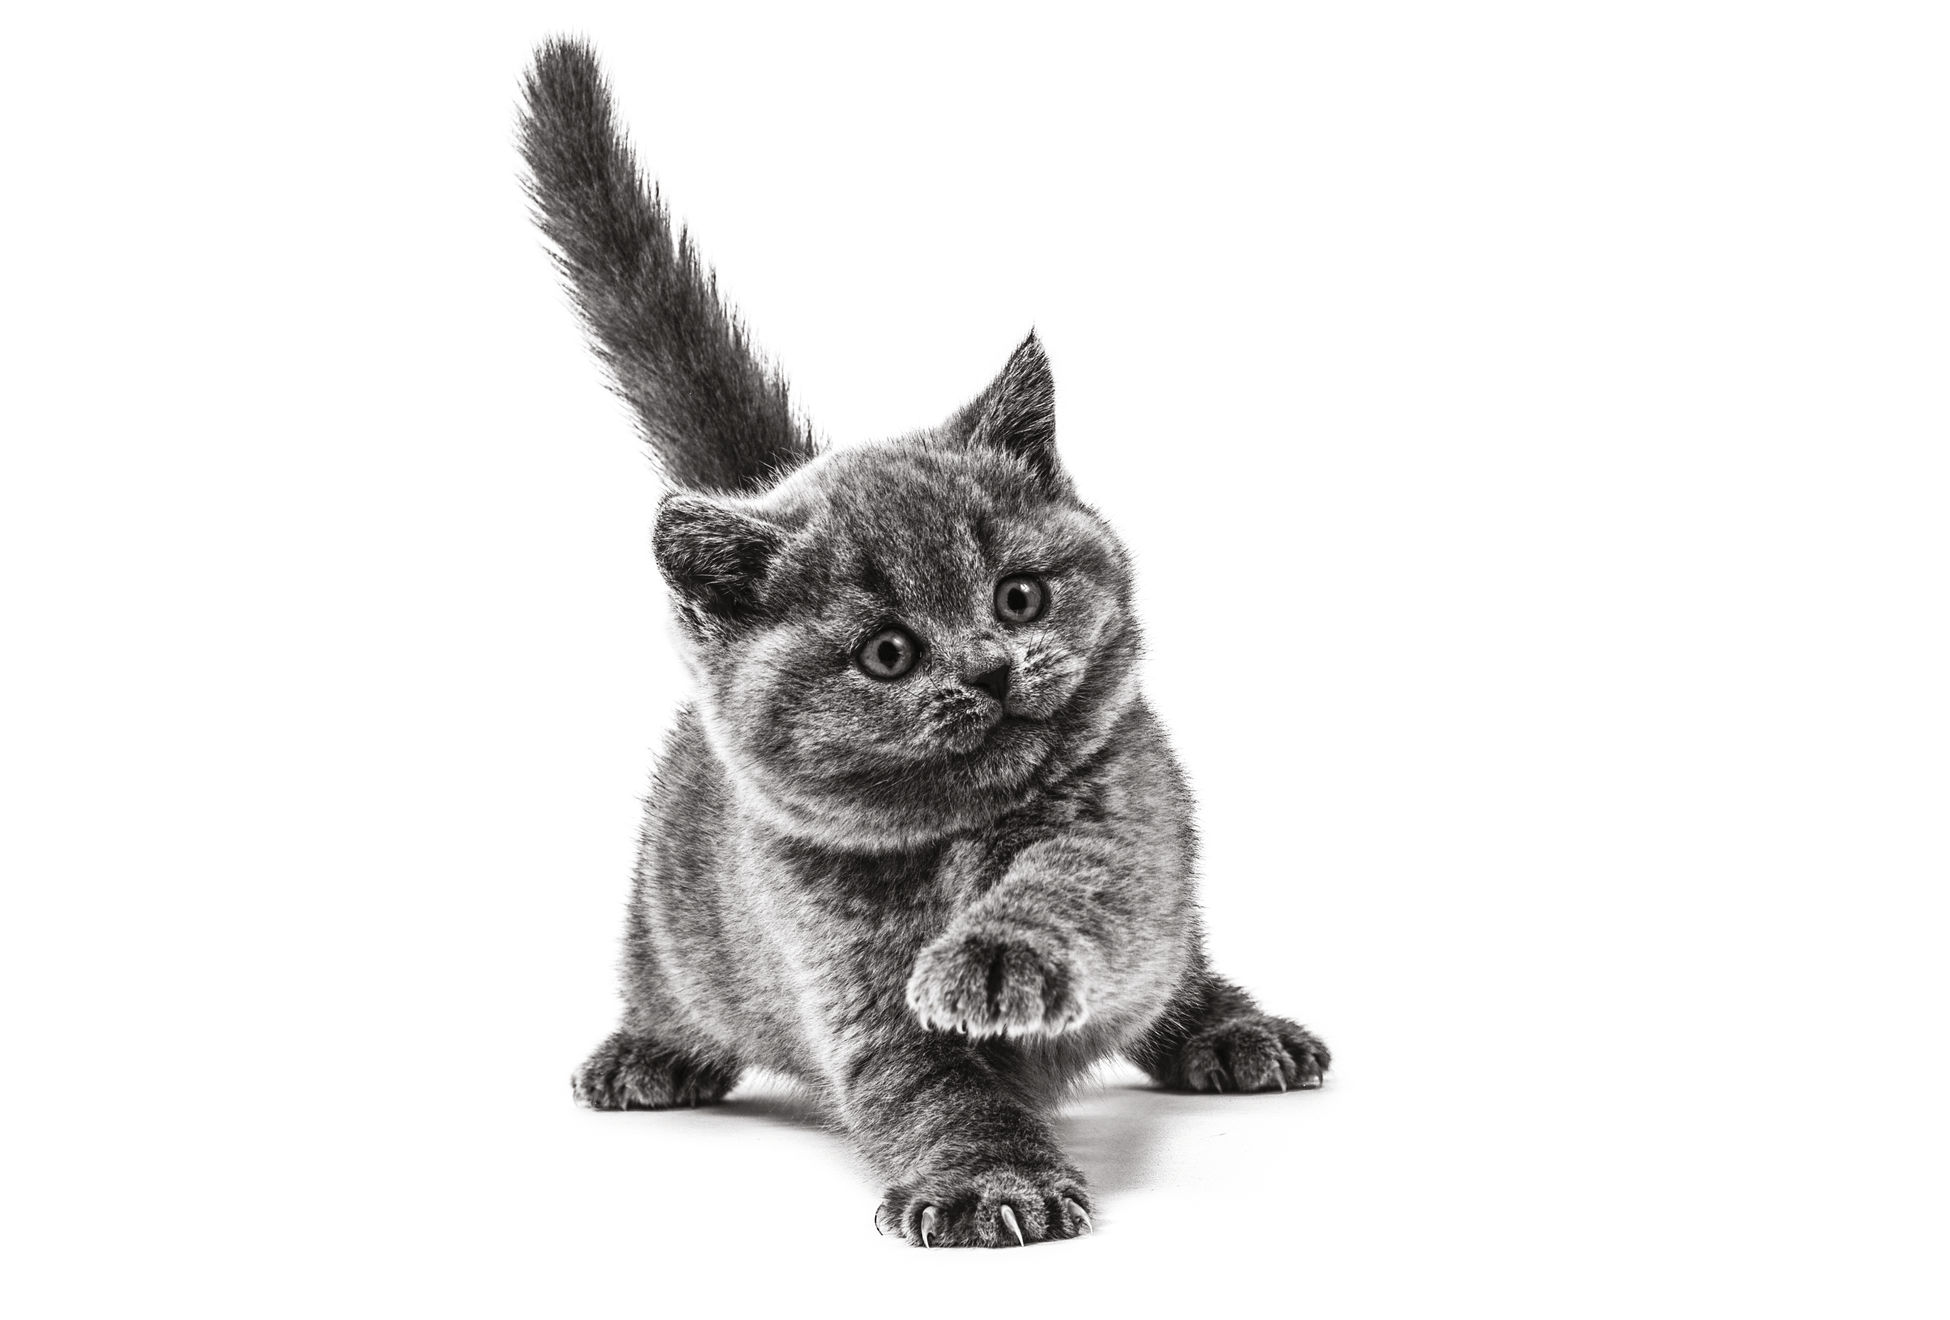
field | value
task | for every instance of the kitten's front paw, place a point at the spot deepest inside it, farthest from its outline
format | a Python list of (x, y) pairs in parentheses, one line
[(997, 982), (1004, 1207), (1256, 1052)]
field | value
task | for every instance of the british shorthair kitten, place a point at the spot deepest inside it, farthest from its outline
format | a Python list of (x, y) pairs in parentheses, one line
[(917, 841)]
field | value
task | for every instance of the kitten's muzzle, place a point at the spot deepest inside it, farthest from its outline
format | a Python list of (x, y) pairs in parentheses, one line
[(991, 678)]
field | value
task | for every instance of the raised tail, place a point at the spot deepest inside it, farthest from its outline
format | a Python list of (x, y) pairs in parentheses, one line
[(717, 418)]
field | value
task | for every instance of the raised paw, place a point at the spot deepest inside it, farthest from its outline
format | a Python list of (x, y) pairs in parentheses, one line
[(1004, 1207), (997, 982), (1254, 1052), (636, 1072)]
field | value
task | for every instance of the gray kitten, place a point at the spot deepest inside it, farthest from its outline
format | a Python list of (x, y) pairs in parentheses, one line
[(918, 842)]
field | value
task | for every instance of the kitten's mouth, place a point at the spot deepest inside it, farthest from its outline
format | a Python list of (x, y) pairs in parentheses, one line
[(999, 731)]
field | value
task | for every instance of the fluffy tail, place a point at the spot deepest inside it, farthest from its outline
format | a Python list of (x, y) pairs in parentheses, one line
[(717, 418)]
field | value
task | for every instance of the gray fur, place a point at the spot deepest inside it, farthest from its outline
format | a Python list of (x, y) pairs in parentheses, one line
[(934, 905), (716, 418)]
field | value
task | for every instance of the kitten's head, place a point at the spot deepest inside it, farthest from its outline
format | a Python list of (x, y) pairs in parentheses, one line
[(903, 640)]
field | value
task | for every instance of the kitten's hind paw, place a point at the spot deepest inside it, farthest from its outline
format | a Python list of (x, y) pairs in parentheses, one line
[(1254, 1052), (997, 982), (992, 1208), (636, 1072)]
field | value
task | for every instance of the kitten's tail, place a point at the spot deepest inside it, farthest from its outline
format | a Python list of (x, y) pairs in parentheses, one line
[(718, 418)]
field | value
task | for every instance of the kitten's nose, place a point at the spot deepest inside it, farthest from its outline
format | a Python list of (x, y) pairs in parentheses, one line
[(993, 679)]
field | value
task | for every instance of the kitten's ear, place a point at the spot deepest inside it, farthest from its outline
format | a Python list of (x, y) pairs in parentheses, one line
[(714, 557), (1017, 413)]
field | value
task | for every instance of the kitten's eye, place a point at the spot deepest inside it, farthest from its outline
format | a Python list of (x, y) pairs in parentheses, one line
[(887, 654), (1020, 599)]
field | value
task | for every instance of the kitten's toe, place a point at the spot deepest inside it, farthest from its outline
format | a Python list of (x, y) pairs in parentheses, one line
[(636, 1072), (995, 983), (1258, 1052), (989, 1208), (1308, 1054)]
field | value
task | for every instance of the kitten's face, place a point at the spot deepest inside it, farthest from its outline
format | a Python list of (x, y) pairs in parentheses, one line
[(934, 630)]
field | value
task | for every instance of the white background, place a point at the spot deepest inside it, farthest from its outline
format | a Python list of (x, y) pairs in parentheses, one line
[(1530, 424)]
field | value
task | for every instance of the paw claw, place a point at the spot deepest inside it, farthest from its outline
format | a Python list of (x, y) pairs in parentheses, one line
[(1002, 1205), (1254, 1052), (1009, 1218)]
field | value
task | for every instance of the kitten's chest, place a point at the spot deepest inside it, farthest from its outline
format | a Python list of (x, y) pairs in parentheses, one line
[(890, 902), (896, 903)]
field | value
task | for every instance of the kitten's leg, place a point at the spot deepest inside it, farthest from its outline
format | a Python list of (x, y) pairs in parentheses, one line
[(630, 1071), (1082, 928), (972, 1158), (652, 1061), (1215, 1038), (954, 1102)]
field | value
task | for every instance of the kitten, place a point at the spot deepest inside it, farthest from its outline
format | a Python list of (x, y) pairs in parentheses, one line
[(919, 841)]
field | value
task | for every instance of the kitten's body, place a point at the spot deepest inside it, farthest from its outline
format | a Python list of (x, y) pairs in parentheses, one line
[(936, 894), (748, 946)]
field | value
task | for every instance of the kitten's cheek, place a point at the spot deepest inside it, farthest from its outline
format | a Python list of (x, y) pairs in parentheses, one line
[(1048, 692)]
